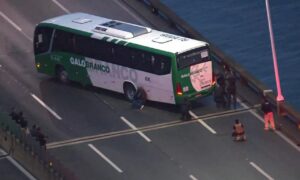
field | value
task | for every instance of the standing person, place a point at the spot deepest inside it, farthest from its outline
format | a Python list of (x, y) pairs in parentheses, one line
[(19, 118), (13, 114), (219, 93), (139, 99), (268, 114), (238, 131), (230, 87), (33, 131), (219, 97), (185, 108)]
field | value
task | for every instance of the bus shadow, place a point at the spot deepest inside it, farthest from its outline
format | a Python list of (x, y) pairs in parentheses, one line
[(51, 86)]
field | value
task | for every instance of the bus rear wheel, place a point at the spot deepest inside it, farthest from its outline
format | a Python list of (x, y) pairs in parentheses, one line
[(62, 75), (129, 91)]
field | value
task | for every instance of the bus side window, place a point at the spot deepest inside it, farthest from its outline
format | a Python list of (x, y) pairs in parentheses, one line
[(64, 41), (144, 62), (162, 65), (42, 38), (122, 56)]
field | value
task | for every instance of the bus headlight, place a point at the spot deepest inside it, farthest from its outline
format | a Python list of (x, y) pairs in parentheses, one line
[(38, 65)]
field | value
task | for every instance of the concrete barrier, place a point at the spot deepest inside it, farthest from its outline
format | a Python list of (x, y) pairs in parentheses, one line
[(28, 152)]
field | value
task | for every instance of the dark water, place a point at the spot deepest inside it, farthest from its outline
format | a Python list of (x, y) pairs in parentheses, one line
[(240, 29)]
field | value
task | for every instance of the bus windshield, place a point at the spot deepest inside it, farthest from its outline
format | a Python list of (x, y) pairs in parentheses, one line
[(192, 57)]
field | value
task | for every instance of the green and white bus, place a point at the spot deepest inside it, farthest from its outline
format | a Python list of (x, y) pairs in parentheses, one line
[(121, 57)]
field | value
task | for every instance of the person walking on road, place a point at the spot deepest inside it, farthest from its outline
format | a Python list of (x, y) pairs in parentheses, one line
[(238, 131), (268, 114)]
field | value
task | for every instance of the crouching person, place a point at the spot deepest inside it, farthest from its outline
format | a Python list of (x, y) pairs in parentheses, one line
[(238, 131), (139, 99)]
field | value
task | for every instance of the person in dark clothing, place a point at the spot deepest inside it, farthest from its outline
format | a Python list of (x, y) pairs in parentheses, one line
[(221, 80), (19, 118), (139, 99), (23, 122), (219, 93), (33, 131), (238, 131), (185, 108), (40, 137), (14, 115), (230, 88), (268, 114)]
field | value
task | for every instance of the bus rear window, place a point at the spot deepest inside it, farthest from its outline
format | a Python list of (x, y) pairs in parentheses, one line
[(192, 57)]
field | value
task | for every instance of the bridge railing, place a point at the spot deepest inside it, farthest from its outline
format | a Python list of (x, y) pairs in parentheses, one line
[(158, 8), (29, 153)]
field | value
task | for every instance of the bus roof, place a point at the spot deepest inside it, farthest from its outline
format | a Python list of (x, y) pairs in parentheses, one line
[(99, 27)]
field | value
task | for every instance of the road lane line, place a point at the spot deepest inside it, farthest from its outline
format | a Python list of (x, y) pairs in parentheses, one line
[(134, 128), (286, 139), (153, 127), (46, 106), (15, 25), (61, 6), (193, 177), (202, 122), (10, 21), (261, 171), (105, 158), (15, 163), (131, 13)]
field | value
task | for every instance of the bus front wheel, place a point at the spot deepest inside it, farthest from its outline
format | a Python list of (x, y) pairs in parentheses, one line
[(62, 75), (129, 91)]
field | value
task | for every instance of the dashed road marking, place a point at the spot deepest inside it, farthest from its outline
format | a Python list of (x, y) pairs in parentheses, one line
[(193, 177), (46, 106), (132, 14), (15, 26), (134, 128), (152, 127), (105, 158), (16, 164), (261, 171), (10, 21), (202, 122), (61, 6)]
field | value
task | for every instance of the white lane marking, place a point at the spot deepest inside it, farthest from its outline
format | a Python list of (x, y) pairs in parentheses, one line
[(261, 171), (15, 26), (134, 128), (105, 158), (0, 65), (61, 6), (193, 177), (10, 21), (46, 106), (203, 123), (286, 139), (15, 163), (28, 37), (131, 13)]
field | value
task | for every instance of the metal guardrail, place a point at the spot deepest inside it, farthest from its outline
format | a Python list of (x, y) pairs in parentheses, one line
[(28, 152), (158, 8)]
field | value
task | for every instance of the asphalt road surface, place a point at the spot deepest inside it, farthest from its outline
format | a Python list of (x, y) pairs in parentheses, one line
[(10, 169), (97, 135)]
